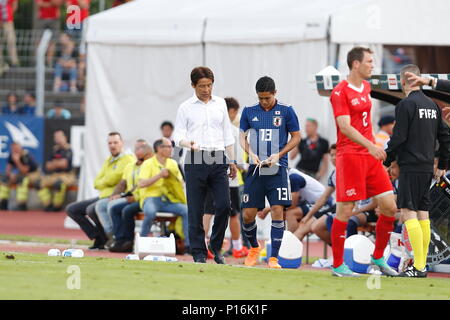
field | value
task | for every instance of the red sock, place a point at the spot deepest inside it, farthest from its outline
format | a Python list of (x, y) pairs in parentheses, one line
[(337, 241), (385, 226)]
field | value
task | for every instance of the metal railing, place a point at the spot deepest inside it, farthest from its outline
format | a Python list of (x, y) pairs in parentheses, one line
[(40, 71)]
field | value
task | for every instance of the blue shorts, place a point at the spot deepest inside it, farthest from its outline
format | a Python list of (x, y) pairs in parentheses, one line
[(272, 183)]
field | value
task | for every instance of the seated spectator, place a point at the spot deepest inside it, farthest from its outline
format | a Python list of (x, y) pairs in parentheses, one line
[(161, 188), (58, 112), (29, 104), (66, 65), (22, 170), (314, 219), (105, 182), (364, 213), (306, 191), (124, 204), (58, 174), (12, 104)]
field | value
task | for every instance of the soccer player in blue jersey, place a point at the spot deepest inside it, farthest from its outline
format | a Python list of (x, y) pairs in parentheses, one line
[(265, 129)]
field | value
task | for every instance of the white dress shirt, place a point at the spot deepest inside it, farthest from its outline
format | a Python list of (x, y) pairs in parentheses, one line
[(207, 124)]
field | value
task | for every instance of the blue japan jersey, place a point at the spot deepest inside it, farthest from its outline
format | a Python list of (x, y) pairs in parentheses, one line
[(269, 130)]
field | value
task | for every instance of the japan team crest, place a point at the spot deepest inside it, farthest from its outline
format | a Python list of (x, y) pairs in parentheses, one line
[(277, 120)]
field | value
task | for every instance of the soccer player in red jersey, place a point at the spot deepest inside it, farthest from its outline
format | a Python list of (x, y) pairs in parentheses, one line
[(359, 170)]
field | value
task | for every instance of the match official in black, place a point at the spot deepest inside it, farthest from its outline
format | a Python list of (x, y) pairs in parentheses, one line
[(437, 84), (203, 126), (418, 126)]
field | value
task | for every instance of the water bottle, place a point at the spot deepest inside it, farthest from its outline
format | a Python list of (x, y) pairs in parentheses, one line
[(74, 253), (160, 258)]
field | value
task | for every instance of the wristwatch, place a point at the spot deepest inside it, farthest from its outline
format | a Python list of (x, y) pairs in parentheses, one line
[(433, 80)]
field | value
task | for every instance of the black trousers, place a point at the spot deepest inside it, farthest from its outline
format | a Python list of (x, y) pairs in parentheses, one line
[(83, 213), (200, 176)]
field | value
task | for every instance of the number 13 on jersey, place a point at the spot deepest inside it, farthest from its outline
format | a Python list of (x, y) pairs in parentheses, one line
[(284, 194)]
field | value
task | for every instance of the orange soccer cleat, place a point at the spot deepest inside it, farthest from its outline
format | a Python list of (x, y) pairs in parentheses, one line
[(273, 263), (252, 257), (240, 253)]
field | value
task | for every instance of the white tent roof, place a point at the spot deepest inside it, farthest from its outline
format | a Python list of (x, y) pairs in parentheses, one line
[(149, 22), (166, 22), (402, 22), (175, 22)]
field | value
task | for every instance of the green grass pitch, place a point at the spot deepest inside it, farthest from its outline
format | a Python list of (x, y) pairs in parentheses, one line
[(37, 276)]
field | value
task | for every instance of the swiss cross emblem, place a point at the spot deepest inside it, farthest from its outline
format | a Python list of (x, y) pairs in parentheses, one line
[(277, 121), (355, 102)]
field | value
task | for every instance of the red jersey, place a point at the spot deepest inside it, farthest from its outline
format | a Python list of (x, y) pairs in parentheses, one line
[(84, 13), (50, 12), (6, 10), (346, 99)]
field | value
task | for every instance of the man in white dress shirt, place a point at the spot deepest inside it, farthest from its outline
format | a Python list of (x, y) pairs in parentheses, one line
[(203, 127)]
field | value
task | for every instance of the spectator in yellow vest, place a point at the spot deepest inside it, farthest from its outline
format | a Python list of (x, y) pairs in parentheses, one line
[(124, 204), (161, 188), (105, 182)]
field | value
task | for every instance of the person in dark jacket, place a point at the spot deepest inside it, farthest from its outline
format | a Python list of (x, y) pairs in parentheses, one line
[(437, 84), (418, 126)]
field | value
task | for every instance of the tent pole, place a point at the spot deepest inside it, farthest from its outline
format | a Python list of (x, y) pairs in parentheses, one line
[(205, 22)]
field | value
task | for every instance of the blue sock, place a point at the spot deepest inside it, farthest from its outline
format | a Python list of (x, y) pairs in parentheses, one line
[(250, 233), (276, 235), (352, 227), (329, 223), (398, 228)]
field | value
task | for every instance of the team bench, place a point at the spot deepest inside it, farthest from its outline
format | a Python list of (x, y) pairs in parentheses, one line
[(161, 218)]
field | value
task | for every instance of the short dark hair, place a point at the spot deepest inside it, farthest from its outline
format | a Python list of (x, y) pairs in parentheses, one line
[(156, 144), (115, 133), (332, 147), (166, 123), (31, 94), (58, 103), (57, 130), (265, 84), (313, 121), (356, 54), (232, 103), (12, 94), (201, 72)]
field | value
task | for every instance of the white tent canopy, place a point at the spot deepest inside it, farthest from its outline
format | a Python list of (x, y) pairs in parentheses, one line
[(140, 56)]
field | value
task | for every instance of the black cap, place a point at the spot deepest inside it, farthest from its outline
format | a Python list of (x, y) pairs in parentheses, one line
[(384, 120)]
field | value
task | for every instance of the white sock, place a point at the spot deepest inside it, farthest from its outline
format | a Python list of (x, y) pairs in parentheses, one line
[(237, 244)]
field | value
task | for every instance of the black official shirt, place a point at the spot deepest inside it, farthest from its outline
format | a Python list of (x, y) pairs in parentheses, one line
[(26, 159), (417, 128), (312, 153), (62, 153)]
